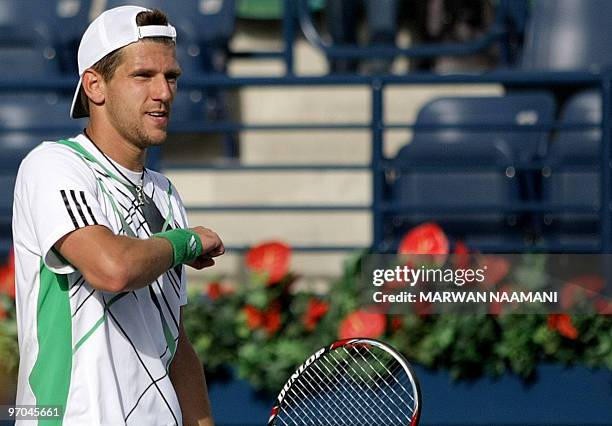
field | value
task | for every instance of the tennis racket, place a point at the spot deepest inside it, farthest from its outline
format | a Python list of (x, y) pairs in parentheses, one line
[(351, 382)]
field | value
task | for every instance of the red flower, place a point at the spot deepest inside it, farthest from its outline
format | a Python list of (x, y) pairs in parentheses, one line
[(7, 276), (215, 290), (585, 285), (396, 323), (271, 258), (427, 238), (269, 320), (362, 324), (563, 324), (254, 317), (272, 321), (496, 269), (461, 258), (314, 311), (592, 283), (423, 308), (603, 306)]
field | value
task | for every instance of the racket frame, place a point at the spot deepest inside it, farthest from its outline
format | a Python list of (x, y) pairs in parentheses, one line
[(416, 389)]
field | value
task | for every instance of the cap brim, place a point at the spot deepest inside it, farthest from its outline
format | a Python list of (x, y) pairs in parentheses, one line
[(76, 110)]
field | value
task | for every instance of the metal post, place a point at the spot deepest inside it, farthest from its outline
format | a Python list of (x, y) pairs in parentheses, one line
[(289, 19), (606, 161), (504, 43), (377, 157)]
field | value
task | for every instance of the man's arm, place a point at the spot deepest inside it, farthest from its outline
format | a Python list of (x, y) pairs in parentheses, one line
[(118, 263), (187, 376)]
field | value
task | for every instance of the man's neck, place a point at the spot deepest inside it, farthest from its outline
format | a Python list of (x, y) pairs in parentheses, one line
[(117, 148)]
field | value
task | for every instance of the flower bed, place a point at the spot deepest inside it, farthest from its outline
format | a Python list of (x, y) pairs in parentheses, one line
[(265, 326)]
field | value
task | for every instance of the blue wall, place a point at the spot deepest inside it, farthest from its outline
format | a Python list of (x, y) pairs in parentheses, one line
[(559, 396)]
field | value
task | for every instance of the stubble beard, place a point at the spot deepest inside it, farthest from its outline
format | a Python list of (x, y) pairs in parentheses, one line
[(143, 140), (133, 131)]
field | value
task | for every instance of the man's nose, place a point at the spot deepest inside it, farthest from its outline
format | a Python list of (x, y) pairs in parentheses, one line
[(161, 89)]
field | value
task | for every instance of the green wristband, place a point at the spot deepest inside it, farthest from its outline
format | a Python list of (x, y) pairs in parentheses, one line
[(186, 245)]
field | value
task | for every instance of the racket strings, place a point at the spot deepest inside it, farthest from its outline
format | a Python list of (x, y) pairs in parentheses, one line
[(402, 399), (336, 395), (355, 390), (374, 382), (340, 393), (340, 403), (301, 404), (297, 413), (349, 387), (380, 399), (310, 396), (335, 401), (366, 392), (391, 373)]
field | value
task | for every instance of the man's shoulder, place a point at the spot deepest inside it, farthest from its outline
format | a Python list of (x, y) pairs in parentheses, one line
[(48, 151), (159, 179), (51, 156), (157, 176)]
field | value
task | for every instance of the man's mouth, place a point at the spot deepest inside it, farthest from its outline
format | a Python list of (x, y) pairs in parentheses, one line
[(158, 113), (160, 118)]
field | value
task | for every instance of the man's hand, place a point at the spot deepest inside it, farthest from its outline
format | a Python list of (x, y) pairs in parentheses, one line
[(212, 246)]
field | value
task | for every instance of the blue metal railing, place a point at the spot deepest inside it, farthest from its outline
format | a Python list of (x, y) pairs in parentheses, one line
[(286, 54), (377, 127), (606, 166)]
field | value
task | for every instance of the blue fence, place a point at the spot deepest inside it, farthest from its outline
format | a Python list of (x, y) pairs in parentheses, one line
[(381, 207), (391, 210), (377, 127), (560, 396)]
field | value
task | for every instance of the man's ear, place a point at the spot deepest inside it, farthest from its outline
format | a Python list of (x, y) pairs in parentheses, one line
[(94, 87)]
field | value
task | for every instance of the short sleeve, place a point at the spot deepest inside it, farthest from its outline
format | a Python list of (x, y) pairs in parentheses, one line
[(58, 191)]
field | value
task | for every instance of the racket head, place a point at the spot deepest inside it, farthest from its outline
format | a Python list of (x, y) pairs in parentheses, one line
[(353, 381)]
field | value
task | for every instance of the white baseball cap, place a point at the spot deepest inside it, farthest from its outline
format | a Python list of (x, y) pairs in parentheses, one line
[(112, 30)]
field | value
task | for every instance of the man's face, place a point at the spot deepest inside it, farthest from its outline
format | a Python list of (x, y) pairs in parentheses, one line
[(140, 93)]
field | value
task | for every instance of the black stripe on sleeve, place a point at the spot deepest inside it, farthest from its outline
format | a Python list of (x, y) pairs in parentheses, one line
[(88, 208), (78, 206), (67, 204)]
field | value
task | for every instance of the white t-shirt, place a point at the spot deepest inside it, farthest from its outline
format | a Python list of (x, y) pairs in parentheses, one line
[(103, 356)]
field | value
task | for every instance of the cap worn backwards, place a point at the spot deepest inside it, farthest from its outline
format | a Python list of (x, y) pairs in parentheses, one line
[(112, 30)]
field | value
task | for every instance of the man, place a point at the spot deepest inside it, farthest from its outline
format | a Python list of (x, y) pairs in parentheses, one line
[(100, 245)]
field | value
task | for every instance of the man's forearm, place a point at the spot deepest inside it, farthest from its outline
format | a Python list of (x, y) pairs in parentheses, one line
[(112, 262), (187, 376), (117, 263)]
